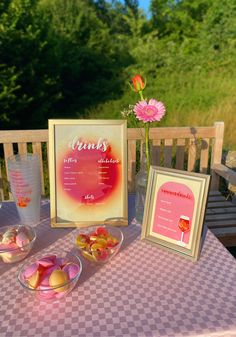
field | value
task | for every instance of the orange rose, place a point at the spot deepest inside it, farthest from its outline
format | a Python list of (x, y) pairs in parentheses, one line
[(138, 83)]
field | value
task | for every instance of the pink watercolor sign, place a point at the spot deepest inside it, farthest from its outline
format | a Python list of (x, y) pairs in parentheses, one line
[(174, 212), (88, 171), (89, 175)]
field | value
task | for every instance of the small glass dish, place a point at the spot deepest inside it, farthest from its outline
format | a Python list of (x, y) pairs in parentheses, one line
[(50, 277), (15, 242), (98, 244)]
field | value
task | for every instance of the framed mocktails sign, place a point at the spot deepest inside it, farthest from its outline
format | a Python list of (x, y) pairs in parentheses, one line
[(88, 172), (175, 209)]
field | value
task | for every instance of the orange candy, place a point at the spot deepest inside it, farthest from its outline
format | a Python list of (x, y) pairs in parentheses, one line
[(97, 246), (34, 280)]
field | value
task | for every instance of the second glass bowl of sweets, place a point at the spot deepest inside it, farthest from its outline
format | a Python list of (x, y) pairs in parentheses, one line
[(98, 244)]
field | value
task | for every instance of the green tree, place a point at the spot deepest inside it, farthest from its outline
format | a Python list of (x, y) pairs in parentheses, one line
[(218, 33), (57, 59), (27, 76), (162, 12), (133, 6), (86, 52)]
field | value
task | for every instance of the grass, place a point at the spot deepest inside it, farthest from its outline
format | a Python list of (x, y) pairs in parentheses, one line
[(192, 99)]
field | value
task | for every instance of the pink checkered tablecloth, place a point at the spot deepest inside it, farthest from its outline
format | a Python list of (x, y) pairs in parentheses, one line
[(143, 292)]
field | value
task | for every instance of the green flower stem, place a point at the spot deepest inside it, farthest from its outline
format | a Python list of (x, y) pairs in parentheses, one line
[(141, 95), (147, 146)]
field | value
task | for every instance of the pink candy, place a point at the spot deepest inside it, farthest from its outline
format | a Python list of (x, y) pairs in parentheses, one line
[(22, 239), (50, 276), (15, 243), (71, 269), (47, 261), (29, 271), (9, 246)]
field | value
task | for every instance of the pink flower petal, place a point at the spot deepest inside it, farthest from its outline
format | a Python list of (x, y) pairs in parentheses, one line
[(149, 111)]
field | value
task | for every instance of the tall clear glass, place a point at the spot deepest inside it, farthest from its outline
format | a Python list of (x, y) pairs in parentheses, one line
[(25, 186), (141, 189)]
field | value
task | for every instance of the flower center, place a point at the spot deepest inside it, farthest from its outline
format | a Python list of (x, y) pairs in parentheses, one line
[(149, 110)]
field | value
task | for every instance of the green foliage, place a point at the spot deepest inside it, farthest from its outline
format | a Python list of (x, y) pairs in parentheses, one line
[(218, 35), (23, 54), (56, 55), (73, 58), (82, 50), (8, 87)]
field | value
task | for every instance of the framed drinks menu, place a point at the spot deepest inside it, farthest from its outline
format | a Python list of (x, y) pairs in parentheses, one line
[(175, 209), (88, 172)]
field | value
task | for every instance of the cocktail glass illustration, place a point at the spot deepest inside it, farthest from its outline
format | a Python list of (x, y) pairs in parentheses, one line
[(184, 226)]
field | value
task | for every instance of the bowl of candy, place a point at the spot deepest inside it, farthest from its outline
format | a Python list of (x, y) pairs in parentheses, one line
[(98, 244), (50, 277), (15, 242)]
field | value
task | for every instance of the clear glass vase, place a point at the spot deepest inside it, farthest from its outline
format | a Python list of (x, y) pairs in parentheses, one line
[(141, 189)]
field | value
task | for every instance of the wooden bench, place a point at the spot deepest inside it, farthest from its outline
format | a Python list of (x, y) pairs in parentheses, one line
[(196, 149)]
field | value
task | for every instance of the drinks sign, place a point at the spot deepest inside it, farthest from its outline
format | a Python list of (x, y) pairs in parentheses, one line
[(174, 210), (88, 179)]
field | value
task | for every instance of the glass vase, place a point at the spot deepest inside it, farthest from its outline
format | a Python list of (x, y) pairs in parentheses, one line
[(141, 189)]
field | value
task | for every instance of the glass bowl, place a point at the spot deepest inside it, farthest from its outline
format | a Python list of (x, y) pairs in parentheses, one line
[(49, 278), (15, 242), (98, 244)]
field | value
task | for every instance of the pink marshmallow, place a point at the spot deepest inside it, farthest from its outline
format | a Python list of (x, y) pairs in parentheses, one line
[(46, 293), (22, 239), (61, 261), (30, 270), (71, 269), (60, 295), (47, 261), (8, 246)]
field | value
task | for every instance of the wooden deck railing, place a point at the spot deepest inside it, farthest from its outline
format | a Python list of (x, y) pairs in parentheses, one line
[(197, 149)]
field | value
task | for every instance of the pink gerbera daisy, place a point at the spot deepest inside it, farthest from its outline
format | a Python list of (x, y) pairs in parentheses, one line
[(149, 111)]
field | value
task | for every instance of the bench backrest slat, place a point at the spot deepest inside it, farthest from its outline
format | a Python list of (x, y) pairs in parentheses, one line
[(180, 153), (22, 148), (204, 156), (156, 152), (192, 154), (131, 164), (37, 149)]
